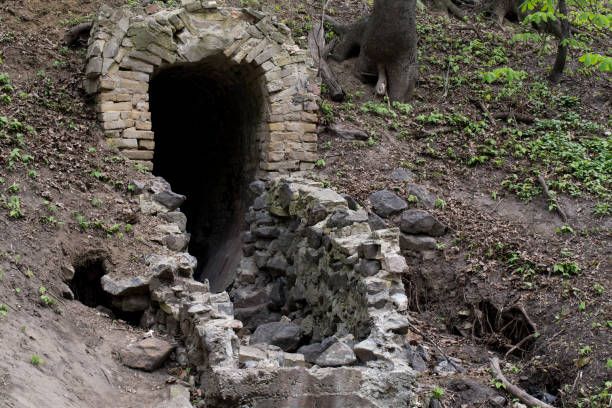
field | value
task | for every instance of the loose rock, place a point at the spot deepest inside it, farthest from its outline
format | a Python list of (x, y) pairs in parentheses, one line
[(285, 335), (421, 222), (338, 354), (148, 354), (385, 203)]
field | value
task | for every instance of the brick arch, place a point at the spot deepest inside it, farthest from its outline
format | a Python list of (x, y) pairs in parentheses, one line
[(127, 49)]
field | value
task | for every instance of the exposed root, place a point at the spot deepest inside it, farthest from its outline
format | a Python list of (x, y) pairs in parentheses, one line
[(514, 390), (551, 199)]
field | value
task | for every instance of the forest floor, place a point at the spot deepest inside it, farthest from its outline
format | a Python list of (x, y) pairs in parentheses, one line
[(63, 192)]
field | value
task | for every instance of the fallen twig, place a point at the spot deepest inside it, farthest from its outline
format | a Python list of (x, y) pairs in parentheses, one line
[(551, 198), (515, 116), (483, 107), (514, 390)]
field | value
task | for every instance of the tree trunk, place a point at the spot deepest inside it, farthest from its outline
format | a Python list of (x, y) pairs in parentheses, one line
[(386, 43), (557, 69)]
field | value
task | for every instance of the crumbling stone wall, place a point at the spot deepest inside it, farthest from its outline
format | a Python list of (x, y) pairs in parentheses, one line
[(126, 50), (350, 281)]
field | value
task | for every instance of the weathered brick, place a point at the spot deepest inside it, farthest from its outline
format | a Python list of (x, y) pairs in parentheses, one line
[(132, 133), (276, 126), (123, 143), (309, 117), (138, 154), (309, 137), (117, 124), (309, 147), (287, 165), (114, 106), (146, 144), (134, 76), (109, 116), (141, 125), (134, 86), (162, 52), (304, 156), (137, 65), (146, 57), (301, 127), (281, 136), (277, 156)]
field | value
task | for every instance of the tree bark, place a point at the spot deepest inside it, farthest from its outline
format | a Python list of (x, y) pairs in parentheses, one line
[(386, 43), (557, 69)]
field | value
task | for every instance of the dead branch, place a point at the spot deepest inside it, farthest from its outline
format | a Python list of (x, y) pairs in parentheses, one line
[(514, 390), (484, 109), (551, 199), (516, 116), (316, 43), (73, 33), (433, 132)]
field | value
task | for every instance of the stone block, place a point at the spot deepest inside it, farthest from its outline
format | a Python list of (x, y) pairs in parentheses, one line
[(284, 136), (123, 143), (276, 126), (94, 67), (309, 137), (143, 125), (138, 154), (114, 106), (132, 133), (134, 76), (301, 127), (137, 65), (117, 124), (145, 144), (304, 156), (293, 360), (162, 53), (107, 84)]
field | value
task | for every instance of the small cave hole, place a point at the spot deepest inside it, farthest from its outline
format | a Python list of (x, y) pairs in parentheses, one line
[(207, 122), (87, 289)]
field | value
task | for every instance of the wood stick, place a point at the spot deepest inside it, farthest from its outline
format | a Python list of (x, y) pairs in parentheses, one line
[(483, 107), (514, 390), (551, 198), (516, 116), (316, 43)]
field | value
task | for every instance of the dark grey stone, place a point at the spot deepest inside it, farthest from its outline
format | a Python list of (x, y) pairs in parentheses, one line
[(338, 219), (169, 199), (415, 360), (257, 187), (318, 212), (369, 267), (314, 236), (176, 217), (402, 174), (376, 223), (445, 366), (266, 232), (284, 195), (386, 203), (263, 218), (285, 335), (421, 222), (352, 204), (369, 250), (177, 242), (278, 263), (311, 352), (249, 237), (254, 316), (261, 258), (260, 202), (139, 187), (248, 297), (426, 198), (338, 354), (347, 132), (278, 295), (416, 243)]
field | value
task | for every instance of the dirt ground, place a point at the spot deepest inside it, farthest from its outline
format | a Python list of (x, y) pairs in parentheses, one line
[(500, 250)]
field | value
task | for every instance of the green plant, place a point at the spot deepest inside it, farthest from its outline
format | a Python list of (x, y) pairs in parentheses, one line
[(602, 209), (48, 300), (440, 203), (3, 310), (566, 268), (598, 288), (320, 163), (14, 206), (36, 360), (437, 393), (586, 350), (13, 188)]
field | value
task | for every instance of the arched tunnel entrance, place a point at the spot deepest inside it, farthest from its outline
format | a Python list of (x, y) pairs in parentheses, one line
[(206, 117)]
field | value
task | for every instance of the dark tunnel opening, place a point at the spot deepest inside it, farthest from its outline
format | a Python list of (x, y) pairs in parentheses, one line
[(206, 117)]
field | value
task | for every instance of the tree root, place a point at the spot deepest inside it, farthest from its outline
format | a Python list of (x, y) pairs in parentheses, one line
[(73, 33), (514, 390), (518, 345), (551, 199), (516, 116)]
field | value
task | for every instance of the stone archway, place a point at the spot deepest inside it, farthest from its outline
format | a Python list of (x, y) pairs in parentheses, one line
[(128, 50)]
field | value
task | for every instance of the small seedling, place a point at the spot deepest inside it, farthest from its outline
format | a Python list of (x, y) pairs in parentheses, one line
[(3, 310), (440, 203), (437, 393), (320, 163), (36, 360), (586, 350)]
